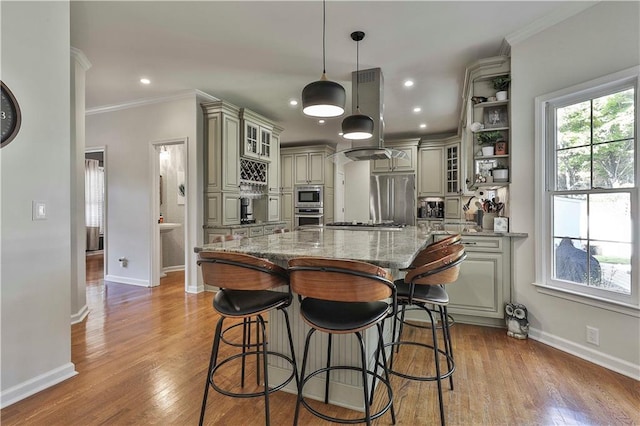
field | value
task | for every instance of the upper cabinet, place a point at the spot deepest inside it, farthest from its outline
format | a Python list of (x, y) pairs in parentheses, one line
[(398, 165), (257, 135), (306, 166), (486, 121), (430, 172)]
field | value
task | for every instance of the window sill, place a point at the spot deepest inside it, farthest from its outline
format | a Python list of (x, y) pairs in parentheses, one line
[(585, 299)]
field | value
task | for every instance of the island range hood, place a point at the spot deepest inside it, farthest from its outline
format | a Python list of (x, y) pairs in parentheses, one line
[(371, 88)]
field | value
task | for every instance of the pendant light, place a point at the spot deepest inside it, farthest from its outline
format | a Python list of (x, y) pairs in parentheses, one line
[(357, 126), (323, 98)]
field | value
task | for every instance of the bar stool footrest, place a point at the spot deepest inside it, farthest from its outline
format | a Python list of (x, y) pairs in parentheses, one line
[(443, 375)]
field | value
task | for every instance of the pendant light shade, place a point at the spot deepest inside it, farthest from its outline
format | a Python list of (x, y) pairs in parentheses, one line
[(323, 98), (357, 126)]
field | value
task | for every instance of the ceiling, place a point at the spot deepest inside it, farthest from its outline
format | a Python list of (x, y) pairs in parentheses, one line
[(260, 54)]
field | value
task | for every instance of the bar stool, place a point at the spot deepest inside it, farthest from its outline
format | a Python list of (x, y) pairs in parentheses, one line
[(245, 284), (343, 297), (425, 285)]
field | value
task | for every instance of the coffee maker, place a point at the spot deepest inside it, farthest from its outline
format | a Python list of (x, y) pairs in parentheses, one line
[(246, 210)]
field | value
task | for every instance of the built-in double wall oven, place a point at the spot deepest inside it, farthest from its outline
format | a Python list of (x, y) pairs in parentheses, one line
[(308, 204)]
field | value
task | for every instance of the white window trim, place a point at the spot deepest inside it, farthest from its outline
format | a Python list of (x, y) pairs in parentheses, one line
[(631, 304)]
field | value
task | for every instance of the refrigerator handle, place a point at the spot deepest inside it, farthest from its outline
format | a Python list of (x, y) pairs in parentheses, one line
[(392, 186)]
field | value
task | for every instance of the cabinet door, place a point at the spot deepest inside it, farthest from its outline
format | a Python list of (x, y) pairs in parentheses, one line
[(286, 173), (212, 209), (230, 154), (315, 171), (452, 208), (265, 144), (430, 172), (452, 165), (251, 142), (273, 207), (381, 166), (230, 209), (479, 289), (300, 169), (287, 209), (405, 164), (328, 205), (273, 176)]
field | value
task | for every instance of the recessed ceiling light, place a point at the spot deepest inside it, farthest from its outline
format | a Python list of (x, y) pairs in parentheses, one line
[(320, 121), (417, 109), (293, 102), (145, 81), (340, 133), (423, 126), (408, 83)]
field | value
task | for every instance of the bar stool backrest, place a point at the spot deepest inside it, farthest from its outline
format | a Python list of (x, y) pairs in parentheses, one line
[(230, 237), (239, 271), (339, 280), (442, 269), (425, 256)]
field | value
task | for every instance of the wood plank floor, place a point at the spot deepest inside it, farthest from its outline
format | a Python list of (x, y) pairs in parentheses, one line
[(141, 356)]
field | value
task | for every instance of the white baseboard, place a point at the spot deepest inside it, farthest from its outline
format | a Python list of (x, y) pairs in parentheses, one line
[(195, 289), (36, 384), (126, 280), (173, 268), (80, 315), (604, 360)]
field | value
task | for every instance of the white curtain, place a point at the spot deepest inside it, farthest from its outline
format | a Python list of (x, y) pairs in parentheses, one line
[(94, 202)]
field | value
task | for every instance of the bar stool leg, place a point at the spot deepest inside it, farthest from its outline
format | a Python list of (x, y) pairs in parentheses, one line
[(437, 361), (212, 361), (260, 322), (447, 342), (385, 367), (326, 385), (302, 375), (245, 343), (363, 358), (293, 352)]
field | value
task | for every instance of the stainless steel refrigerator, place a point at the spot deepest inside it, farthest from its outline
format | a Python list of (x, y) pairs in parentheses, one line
[(393, 198)]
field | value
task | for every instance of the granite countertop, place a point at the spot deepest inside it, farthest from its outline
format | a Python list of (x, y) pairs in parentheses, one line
[(483, 234), (244, 225), (388, 249)]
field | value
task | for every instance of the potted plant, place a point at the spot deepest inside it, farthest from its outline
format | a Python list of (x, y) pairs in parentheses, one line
[(500, 173), (487, 140), (501, 84)]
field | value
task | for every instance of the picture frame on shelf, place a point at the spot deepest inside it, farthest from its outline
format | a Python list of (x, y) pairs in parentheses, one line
[(501, 224), (496, 117), (484, 167)]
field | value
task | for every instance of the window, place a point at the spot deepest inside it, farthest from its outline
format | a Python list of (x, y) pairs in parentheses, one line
[(589, 200)]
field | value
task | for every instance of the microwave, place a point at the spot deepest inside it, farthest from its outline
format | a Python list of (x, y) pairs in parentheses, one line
[(309, 196)]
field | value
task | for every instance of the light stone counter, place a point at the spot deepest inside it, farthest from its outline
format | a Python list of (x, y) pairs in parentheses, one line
[(388, 249)]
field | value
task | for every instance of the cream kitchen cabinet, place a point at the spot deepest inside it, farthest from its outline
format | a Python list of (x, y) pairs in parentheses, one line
[(306, 165), (431, 173), (222, 163), (286, 173), (483, 286), (257, 135), (309, 168), (286, 211), (452, 208), (397, 165)]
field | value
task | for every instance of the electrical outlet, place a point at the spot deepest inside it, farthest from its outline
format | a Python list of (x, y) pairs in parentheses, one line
[(593, 335)]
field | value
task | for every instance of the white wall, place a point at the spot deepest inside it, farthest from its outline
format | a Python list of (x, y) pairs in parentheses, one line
[(127, 135), (601, 40), (36, 266)]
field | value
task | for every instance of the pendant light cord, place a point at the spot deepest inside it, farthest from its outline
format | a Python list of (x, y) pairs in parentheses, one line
[(357, 76), (324, 20)]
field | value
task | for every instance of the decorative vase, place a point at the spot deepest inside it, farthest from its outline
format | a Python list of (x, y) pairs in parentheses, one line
[(501, 95), (500, 175), (487, 151), (487, 221)]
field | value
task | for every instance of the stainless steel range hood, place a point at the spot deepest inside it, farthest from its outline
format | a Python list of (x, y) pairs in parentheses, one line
[(371, 87)]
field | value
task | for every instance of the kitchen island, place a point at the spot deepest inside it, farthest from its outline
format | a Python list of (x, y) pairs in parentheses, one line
[(389, 249)]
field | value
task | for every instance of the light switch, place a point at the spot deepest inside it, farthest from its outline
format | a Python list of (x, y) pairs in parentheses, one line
[(39, 210)]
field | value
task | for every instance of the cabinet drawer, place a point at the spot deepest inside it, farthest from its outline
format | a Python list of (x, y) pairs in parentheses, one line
[(482, 243), (244, 233), (255, 231), (268, 229)]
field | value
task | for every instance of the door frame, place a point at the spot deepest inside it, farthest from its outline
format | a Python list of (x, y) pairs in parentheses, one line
[(154, 208)]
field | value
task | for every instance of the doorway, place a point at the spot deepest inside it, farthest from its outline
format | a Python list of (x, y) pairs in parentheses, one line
[(169, 208), (95, 198)]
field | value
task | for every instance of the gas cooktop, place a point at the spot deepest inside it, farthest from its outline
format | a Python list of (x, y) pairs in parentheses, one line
[(382, 226)]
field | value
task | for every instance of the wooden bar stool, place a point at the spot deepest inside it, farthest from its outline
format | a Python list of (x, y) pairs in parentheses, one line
[(246, 284), (343, 297), (422, 286)]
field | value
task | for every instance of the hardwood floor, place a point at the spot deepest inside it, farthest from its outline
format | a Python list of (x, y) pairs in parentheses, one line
[(142, 353)]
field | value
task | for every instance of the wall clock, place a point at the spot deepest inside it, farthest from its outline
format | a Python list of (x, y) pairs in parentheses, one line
[(10, 115)]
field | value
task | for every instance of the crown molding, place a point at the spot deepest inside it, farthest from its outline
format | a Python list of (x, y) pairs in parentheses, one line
[(150, 101), (565, 12), (81, 58)]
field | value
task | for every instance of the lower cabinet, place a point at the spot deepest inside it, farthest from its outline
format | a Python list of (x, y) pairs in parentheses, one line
[(286, 211), (484, 284), (222, 208), (245, 231)]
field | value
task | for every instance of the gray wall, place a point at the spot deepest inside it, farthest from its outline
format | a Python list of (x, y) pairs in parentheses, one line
[(36, 265), (599, 41)]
